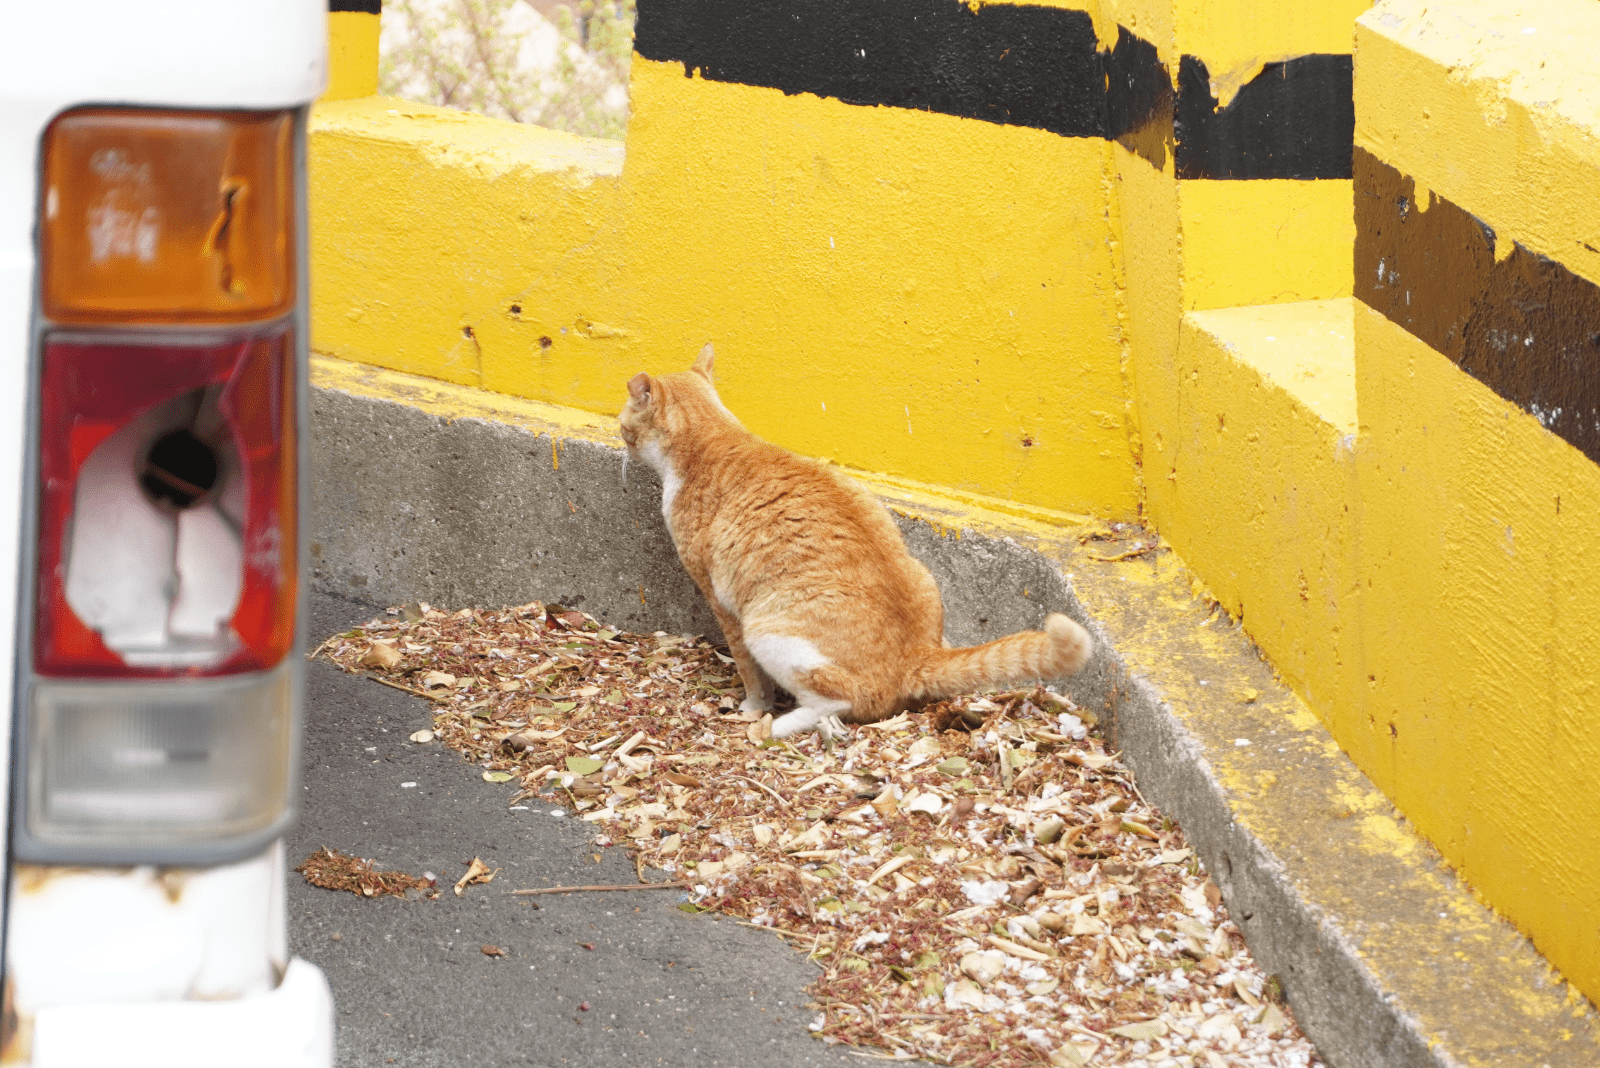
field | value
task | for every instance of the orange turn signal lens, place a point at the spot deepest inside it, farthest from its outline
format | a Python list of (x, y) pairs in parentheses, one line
[(168, 216)]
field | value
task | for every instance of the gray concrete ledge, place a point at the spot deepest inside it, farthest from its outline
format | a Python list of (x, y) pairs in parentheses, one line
[(432, 492)]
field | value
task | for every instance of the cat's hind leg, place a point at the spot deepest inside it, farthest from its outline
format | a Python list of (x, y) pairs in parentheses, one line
[(760, 696), (759, 690), (794, 662)]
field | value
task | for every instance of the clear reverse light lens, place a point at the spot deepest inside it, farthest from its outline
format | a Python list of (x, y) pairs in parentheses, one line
[(129, 764)]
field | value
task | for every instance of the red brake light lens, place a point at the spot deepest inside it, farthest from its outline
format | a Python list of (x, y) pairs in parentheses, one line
[(168, 506)]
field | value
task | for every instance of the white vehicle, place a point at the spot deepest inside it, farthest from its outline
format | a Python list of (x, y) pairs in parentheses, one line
[(152, 406)]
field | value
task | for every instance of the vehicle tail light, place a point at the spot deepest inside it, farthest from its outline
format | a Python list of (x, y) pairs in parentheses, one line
[(163, 704)]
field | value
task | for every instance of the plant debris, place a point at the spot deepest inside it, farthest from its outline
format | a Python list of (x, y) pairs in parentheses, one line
[(477, 872), (987, 862), (332, 870)]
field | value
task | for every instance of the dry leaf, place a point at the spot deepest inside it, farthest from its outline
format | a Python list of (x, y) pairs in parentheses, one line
[(983, 966), (422, 736), (1072, 1055), (761, 730), (477, 872), (964, 994), (491, 951), (381, 656)]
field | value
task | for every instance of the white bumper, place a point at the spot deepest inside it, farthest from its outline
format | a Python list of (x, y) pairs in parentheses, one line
[(291, 1026)]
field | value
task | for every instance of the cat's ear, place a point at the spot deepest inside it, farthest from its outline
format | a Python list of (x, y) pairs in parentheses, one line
[(704, 361), (639, 388)]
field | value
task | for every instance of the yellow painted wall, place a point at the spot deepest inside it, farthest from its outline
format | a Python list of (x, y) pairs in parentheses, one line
[(874, 295), (1267, 241), (1416, 581), (1480, 627), (352, 55), (428, 225), (907, 292)]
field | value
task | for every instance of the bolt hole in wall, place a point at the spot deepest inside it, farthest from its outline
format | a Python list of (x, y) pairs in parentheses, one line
[(561, 64)]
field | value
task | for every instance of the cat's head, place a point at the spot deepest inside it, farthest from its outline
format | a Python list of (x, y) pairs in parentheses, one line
[(661, 407)]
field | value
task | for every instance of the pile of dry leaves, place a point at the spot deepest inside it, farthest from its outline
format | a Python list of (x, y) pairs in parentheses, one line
[(332, 870), (981, 883)]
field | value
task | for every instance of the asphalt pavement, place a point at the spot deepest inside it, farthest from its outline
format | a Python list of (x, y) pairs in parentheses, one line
[(410, 981)]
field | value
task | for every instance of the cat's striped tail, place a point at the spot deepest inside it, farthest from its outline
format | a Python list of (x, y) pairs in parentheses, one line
[(1053, 653)]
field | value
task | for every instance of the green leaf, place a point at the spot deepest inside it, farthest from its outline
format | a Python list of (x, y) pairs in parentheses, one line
[(607, 635), (689, 907), (497, 776), (563, 706), (954, 767), (584, 765)]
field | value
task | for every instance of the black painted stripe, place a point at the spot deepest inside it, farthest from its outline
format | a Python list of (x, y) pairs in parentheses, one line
[(367, 7), (1138, 98), (1003, 63), (1295, 119), (1020, 65), (1526, 327)]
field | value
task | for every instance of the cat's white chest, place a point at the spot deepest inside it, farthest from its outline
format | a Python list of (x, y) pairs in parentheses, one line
[(671, 483)]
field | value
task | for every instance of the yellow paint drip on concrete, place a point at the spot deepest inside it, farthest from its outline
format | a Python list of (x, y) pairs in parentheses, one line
[(352, 55), (1267, 241), (1480, 634), (1497, 108), (450, 402), (1237, 38)]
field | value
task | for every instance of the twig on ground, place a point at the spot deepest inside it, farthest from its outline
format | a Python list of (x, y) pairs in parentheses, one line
[(593, 889)]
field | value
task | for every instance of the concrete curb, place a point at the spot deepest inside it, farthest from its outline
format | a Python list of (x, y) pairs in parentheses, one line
[(431, 491)]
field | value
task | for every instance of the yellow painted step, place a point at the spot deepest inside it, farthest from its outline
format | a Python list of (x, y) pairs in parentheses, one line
[(1261, 469)]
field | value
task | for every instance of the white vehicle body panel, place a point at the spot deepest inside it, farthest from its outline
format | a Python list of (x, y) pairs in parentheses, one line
[(289, 1025), (138, 965)]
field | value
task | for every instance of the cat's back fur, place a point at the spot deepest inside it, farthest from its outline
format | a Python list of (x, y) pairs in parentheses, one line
[(807, 573)]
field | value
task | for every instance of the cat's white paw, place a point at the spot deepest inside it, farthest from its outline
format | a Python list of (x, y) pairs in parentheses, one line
[(756, 704), (792, 723)]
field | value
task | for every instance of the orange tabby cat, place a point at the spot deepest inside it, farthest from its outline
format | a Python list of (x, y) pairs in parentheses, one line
[(808, 575)]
